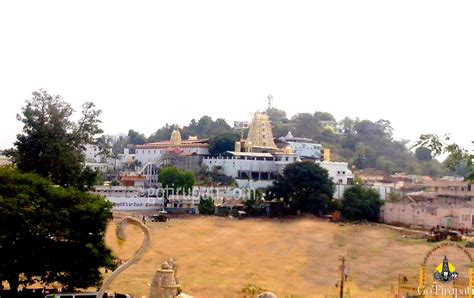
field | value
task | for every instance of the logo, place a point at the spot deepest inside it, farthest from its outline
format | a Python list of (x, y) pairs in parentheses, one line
[(445, 272)]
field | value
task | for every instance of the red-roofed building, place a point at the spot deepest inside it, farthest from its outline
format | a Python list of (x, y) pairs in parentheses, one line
[(154, 152), (133, 180)]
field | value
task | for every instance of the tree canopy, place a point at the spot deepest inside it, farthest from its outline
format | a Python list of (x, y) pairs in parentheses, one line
[(136, 138), (222, 143), (304, 186), (176, 179), (456, 156), (423, 154), (205, 127), (51, 234), (51, 143), (361, 203), (276, 115)]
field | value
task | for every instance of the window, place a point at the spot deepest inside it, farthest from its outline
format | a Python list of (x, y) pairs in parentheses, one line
[(242, 175), (255, 175)]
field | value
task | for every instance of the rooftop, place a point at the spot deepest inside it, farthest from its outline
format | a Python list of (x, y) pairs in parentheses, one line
[(446, 183), (251, 154), (133, 178), (168, 144), (371, 171)]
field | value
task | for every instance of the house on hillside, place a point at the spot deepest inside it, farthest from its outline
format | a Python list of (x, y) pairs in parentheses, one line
[(371, 175)]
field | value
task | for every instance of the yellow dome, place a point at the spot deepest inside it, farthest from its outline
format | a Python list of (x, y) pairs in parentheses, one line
[(288, 150)]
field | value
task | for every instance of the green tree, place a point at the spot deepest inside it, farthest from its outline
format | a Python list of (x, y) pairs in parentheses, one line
[(207, 128), (188, 180), (162, 134), (136, 138), (347, 124), (206, 206), (305, 186), (51, 144), (423, 154), (51, 234), (456, 155), (323, 116), (276, 115), (305, 125), (222, 143), (178, 180), (254, 204), (281, 129), (360, 203), (370, 129)]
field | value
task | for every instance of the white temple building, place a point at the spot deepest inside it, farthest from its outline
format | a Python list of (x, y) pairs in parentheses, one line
[(256, 161), (304, 148)]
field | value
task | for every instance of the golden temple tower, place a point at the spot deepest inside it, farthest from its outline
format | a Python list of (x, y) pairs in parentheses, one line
[(175, 139), (260, 132)]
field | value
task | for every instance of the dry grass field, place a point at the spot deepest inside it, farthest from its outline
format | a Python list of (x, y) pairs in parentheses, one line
[(293, 258)]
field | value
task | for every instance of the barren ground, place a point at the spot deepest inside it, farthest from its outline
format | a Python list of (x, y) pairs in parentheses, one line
[(293, 258)]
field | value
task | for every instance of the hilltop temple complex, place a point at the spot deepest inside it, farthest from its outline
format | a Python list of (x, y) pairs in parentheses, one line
[(255, 162)]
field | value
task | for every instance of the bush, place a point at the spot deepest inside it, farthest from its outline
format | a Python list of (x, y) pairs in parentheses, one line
[(254, 204), (206, 206), (469, 244), (251, 289)]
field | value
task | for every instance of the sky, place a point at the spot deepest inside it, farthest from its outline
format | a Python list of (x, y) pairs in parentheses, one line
[(147, 63)]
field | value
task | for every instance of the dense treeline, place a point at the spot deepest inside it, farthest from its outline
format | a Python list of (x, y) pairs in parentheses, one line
[(363, 143)]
